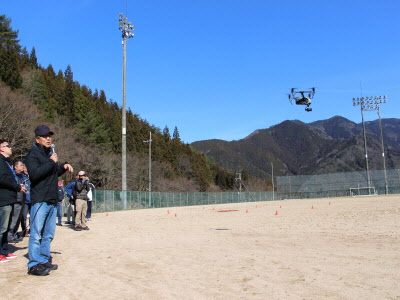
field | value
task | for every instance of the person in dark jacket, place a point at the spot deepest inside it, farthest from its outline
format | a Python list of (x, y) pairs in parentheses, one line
[(16, 214), (8, 196), (27, 205), (61, 195), (80, 194), (71, 201), (44, 170)]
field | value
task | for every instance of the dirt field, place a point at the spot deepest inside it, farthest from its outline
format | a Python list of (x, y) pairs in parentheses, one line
[(338, 248)]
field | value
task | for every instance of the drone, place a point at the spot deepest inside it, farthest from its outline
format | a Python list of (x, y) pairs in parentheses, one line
[(302, 99)]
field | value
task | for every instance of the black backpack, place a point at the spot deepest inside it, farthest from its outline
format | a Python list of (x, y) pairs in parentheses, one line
[(60, 193)]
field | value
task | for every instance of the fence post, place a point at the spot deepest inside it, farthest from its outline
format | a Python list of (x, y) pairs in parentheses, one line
[(113, 193), (94, 199)]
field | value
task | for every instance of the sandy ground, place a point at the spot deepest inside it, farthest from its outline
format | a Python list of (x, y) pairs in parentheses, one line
[(337, 248)]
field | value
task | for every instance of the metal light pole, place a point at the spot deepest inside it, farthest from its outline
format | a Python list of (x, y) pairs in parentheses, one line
[(273, 184), (368, 104), (149, 141), (239, 178), (126, 29), (383, 150)]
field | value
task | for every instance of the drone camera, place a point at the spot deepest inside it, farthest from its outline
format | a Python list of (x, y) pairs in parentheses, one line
[(308, 109)]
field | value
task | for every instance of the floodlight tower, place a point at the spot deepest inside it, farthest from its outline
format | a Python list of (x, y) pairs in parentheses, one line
[(149, 141), (373, 103), (369, 104), (126, 29), (239, 178), (361, 102)]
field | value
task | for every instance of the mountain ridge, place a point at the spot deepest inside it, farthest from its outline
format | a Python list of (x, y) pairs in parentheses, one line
[(296, 148)]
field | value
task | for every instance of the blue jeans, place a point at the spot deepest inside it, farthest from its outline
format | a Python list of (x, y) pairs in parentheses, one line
[(5, 212), (43, 228), (59, 212)]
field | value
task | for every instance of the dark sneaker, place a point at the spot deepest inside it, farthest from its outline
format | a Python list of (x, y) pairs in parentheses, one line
[(78, 228), (38, 270), (50, 266), (59, 224), (68, 222), (85, 228), (15, 241)]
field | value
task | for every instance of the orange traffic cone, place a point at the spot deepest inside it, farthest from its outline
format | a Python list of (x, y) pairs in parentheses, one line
[(276, 213)]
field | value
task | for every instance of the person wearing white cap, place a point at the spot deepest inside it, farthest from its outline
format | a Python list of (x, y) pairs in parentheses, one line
[(81, 192)]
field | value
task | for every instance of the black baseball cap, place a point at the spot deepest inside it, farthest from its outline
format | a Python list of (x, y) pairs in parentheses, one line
[(43, 130)]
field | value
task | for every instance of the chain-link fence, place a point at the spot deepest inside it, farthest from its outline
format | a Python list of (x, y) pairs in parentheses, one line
[(288, 187), (337, 184), (104, 200)]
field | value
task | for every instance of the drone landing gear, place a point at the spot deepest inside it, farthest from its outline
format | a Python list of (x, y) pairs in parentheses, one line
[(308, 109)]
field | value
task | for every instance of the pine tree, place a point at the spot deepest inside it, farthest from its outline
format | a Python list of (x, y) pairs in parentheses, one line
[(166, 134), (68, 100), (175, 136), (8, 37), (32, 58), (10, 72), (24, 58)]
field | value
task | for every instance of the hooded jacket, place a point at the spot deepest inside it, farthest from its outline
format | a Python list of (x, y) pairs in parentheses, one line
[(43, 174), (8, 185)]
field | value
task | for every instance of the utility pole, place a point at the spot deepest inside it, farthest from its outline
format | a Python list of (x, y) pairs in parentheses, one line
[(149, 141), (126, 29)]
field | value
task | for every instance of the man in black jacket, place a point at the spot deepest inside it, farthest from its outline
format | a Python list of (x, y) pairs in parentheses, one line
[(8, 196), (44, 170), (16, 214)]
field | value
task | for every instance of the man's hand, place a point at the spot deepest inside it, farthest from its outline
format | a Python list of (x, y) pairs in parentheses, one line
[(68, 167), (23, 189), (54, 157)]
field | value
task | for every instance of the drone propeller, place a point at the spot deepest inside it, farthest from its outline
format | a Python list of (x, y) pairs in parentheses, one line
[(290, 98)]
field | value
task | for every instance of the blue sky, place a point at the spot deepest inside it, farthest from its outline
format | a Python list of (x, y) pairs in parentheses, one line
[(221, 69)]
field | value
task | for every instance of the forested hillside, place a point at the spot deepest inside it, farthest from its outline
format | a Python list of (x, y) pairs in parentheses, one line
[(87, 127)]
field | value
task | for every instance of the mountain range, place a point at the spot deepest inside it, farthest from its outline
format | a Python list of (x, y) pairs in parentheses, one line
[(296, 148)]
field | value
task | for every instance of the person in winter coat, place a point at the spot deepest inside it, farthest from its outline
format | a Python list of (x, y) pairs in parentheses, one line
[(80, 194), (27, 205), (15, 218), (71, 201), (8, 196), (44, 170)]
